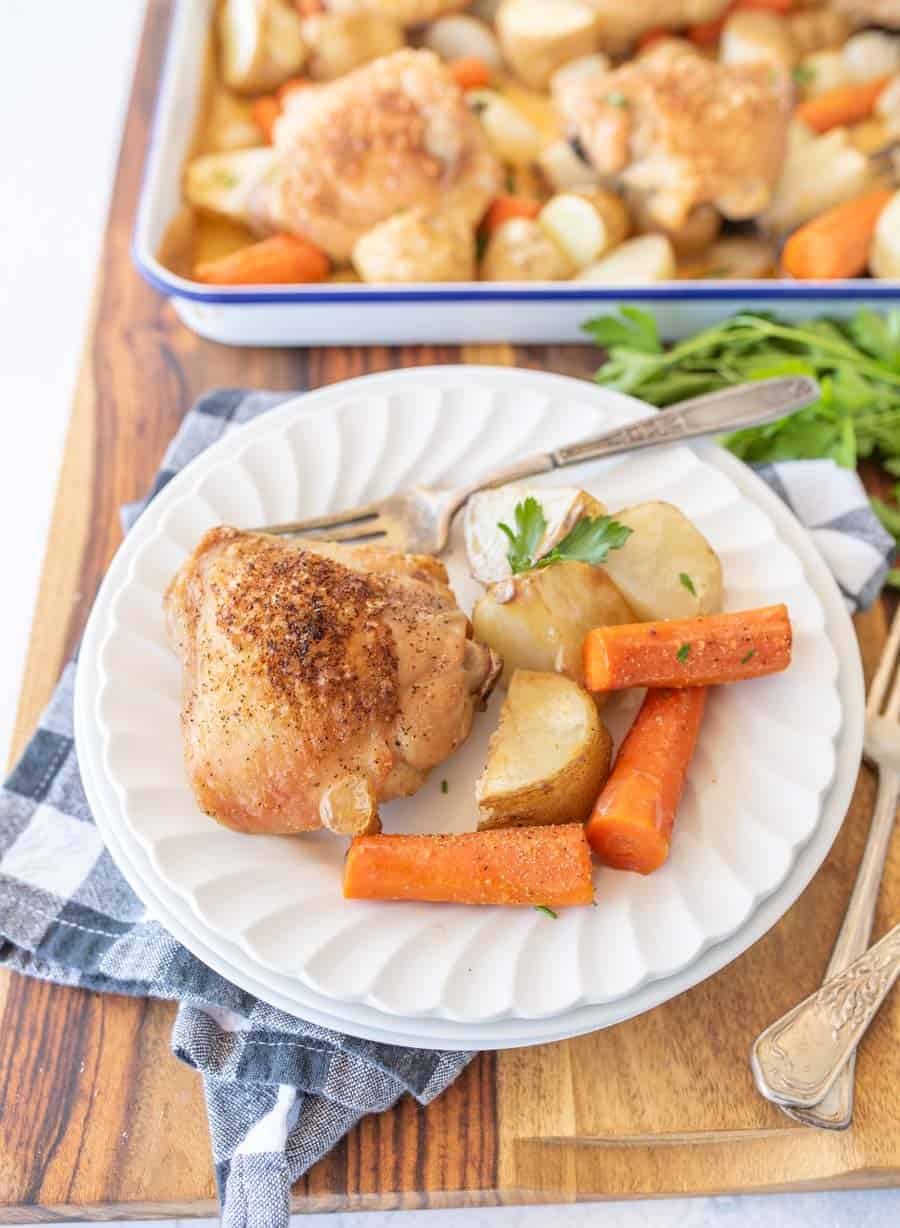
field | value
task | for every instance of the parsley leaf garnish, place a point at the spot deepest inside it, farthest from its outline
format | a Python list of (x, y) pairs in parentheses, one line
[(617, 99), (530, 523), (445, 788), (750, 655), (683, 653), (687, 582), (803, 74), (588, 541), (548, 912)]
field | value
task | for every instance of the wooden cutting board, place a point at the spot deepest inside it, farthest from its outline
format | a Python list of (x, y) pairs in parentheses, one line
[(97, 1120)]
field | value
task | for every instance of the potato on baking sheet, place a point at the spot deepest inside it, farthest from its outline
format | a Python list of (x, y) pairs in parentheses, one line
[(262, 44), (548, 758), (666, 568)]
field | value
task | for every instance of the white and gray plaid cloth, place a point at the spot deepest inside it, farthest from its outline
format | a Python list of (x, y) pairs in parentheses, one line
[(280, 1092)]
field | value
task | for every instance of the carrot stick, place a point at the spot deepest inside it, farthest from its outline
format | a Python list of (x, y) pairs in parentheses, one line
[(848, 104), (289, 86), (837, 242), (506, 207), (689, 652), (631, 825), (518, 865), (470, 72), (279, 260), (265, 111)]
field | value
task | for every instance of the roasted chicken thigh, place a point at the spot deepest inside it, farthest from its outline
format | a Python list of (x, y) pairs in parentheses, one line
[(679, 130), (319, 679), (393, 134)]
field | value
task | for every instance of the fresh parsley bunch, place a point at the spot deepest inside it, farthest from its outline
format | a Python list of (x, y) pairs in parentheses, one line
[(857, 364), (588, 541)]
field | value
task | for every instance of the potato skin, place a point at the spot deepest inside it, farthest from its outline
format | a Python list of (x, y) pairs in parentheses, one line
[(538, 620), (532, 777)]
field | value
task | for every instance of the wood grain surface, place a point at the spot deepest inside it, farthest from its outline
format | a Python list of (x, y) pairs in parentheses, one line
[(97, 1120)]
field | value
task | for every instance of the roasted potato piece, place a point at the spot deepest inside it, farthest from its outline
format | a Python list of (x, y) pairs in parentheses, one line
[(586, 225), (699, 229), (884, 256), (665, 546), (486, 545), (751, 35), (738, 259), (236, 185), (548, 758), (640, 261), (512, 136), (341, 43), (417, 245), (538, 620), (459, 36), (537, 38), (563, 169), (818, 173), (521, 250), (262, 44)]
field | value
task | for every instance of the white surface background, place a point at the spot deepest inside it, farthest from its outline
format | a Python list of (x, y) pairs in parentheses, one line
[(60, 130)]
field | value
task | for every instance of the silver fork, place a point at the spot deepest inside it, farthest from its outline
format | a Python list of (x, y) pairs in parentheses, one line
[(419, 520), (882, 748)]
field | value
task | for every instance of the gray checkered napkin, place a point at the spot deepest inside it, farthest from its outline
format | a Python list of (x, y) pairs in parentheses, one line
[(280, 1092)]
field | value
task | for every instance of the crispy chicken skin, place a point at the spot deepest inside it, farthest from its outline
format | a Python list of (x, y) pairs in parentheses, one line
[(877, 12), (392, 134), (318, 680), (681, 130), (622, 22)]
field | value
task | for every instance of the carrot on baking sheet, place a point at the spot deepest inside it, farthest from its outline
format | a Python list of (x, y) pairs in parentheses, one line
[(470, 72), (281, 260), (505, 207), (265, 111), (846, 104), (689, 652), (548, 866), (631, 824), (836, 243)]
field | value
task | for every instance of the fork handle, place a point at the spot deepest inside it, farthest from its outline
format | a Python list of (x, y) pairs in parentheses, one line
[(730, 409), (835, 1110), (798, 1058)]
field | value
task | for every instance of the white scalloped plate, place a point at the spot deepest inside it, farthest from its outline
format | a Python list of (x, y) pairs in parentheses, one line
[(754, 797)]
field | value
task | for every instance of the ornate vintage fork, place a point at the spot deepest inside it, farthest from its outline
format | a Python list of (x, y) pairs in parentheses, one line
[(419, 520), (833, 1110), (798, 1059)]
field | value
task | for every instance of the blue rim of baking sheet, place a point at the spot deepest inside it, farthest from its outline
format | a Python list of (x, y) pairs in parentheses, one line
[(737, 291)]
